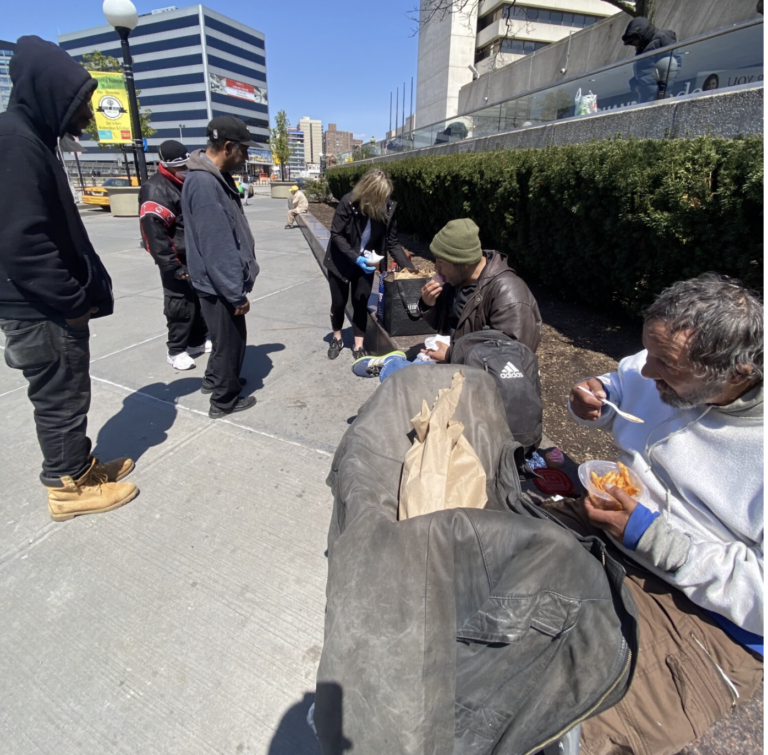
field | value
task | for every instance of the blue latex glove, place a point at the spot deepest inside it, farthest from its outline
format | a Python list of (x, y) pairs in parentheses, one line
[(362, 263)]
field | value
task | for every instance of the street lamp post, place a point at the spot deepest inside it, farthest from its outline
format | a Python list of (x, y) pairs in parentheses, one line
[(122, 16), (181, 132)]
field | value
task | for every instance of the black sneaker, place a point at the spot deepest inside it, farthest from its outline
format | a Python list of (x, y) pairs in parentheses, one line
[(243, 403), (208, 388), (335, 348), (359, 353)]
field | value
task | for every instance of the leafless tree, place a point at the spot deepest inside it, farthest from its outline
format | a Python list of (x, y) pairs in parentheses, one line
[(441, 9)]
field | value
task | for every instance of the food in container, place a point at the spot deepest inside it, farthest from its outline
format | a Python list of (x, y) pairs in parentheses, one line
[(596, 475)]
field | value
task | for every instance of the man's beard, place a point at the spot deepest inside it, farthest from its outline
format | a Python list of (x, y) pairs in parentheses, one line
[(688, 400)]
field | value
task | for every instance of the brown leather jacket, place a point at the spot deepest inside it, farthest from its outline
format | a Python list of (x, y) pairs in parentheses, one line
[(501, 301)]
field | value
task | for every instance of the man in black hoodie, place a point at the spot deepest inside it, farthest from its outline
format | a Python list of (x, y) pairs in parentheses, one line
[(51, 280), (645, 37)]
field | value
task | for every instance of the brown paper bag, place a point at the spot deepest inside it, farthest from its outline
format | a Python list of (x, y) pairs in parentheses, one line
[(441, 469)]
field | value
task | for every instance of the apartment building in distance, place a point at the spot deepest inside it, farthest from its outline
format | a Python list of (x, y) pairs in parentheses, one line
[(297, 162), (191, 64), (489, 35), (6, 53), (313, 139), (337, 142)]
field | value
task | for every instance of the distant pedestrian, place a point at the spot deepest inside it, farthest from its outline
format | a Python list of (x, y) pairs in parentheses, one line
[(221, 258), (244, 183), (52, 282), (364, 220), (298, 205), (162, 228), (645, 37)]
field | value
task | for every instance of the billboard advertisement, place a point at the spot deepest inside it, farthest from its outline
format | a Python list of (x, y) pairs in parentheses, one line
[(260, 156), (238, 89), (110, 108)]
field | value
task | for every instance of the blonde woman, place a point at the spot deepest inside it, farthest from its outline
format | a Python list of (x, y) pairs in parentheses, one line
[(364, 220)]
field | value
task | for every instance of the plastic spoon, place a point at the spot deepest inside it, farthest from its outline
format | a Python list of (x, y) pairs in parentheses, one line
[(625, 415)]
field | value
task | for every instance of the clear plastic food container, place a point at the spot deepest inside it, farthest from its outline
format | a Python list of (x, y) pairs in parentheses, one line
[(602, 499)]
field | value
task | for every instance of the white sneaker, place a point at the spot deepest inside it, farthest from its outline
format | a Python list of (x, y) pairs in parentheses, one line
[(196, 351), (181, 361)]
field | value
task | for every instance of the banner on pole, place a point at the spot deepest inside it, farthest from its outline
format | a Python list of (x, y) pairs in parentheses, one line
[(110, 108), (239, 89)]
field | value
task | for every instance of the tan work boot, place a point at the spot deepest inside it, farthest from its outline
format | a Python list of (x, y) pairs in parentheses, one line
[(116, 469), (90, 494)]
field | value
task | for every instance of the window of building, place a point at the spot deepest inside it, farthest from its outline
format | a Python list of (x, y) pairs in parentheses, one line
[(232, 31), (520, 46), (529, 14), (230, 67)]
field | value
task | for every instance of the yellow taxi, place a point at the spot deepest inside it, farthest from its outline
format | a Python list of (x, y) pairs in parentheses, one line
[(99, 195)]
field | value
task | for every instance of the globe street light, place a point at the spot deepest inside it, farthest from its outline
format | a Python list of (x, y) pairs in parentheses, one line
[(122, 15)]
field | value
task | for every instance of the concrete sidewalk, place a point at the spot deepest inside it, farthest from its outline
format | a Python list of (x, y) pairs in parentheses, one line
[(191, 620)]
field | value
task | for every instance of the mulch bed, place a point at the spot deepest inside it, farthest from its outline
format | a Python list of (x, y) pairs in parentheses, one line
[(576, 342)]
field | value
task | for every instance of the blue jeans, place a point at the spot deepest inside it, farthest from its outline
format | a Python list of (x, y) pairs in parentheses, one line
[(393, 365)]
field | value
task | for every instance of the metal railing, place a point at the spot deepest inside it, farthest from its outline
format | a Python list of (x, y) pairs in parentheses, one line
[(717, 60)]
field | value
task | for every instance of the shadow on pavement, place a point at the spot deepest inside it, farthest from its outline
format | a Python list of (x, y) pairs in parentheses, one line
[(347, 336), (294, 735), (257, 365), (140, 425)]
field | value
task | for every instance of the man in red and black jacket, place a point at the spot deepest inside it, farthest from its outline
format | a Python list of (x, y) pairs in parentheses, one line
[(162, 228)]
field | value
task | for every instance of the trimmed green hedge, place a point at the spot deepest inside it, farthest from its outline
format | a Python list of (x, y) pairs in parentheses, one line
[(611, 222)]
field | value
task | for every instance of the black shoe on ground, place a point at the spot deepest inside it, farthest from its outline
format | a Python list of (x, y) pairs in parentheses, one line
[(335, 348), (359, 353), (243, 403), (288, 226), (208, 388)]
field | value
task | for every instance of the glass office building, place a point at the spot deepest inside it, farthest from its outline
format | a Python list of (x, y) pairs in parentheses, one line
[(6, 53), (190, 64)]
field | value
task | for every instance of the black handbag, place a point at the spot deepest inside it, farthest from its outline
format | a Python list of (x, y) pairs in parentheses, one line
[(402, 316)]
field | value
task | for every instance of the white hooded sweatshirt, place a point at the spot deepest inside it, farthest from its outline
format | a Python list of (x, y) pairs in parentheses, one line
[(703, 470)]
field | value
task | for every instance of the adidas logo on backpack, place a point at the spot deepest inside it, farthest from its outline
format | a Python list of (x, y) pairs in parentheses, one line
[(515, 370), (510, 371)]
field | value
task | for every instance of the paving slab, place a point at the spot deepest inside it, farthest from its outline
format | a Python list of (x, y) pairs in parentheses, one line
[(191, 620)]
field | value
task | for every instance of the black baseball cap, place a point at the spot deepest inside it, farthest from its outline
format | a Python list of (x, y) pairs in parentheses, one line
[(227, 128)]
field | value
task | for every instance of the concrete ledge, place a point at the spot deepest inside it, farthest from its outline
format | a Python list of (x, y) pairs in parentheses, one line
[(728, 114)]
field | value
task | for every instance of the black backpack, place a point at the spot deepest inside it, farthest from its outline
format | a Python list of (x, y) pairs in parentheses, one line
[(515, 369)]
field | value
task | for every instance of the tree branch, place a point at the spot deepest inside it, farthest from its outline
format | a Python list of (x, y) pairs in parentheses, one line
[(439, 10), (631, 8)]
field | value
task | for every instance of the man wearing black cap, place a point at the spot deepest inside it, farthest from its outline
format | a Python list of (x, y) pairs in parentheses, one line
[(220, 257), (162, 227), (52, 282)]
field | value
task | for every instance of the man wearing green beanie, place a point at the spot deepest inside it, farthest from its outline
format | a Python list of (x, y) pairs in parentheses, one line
[(475, 289), (472, 290)]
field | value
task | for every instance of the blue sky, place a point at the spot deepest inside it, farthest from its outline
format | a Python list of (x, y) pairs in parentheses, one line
[(336, 60)]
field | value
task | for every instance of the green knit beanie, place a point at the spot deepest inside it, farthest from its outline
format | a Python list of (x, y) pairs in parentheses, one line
[(458, 242)]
